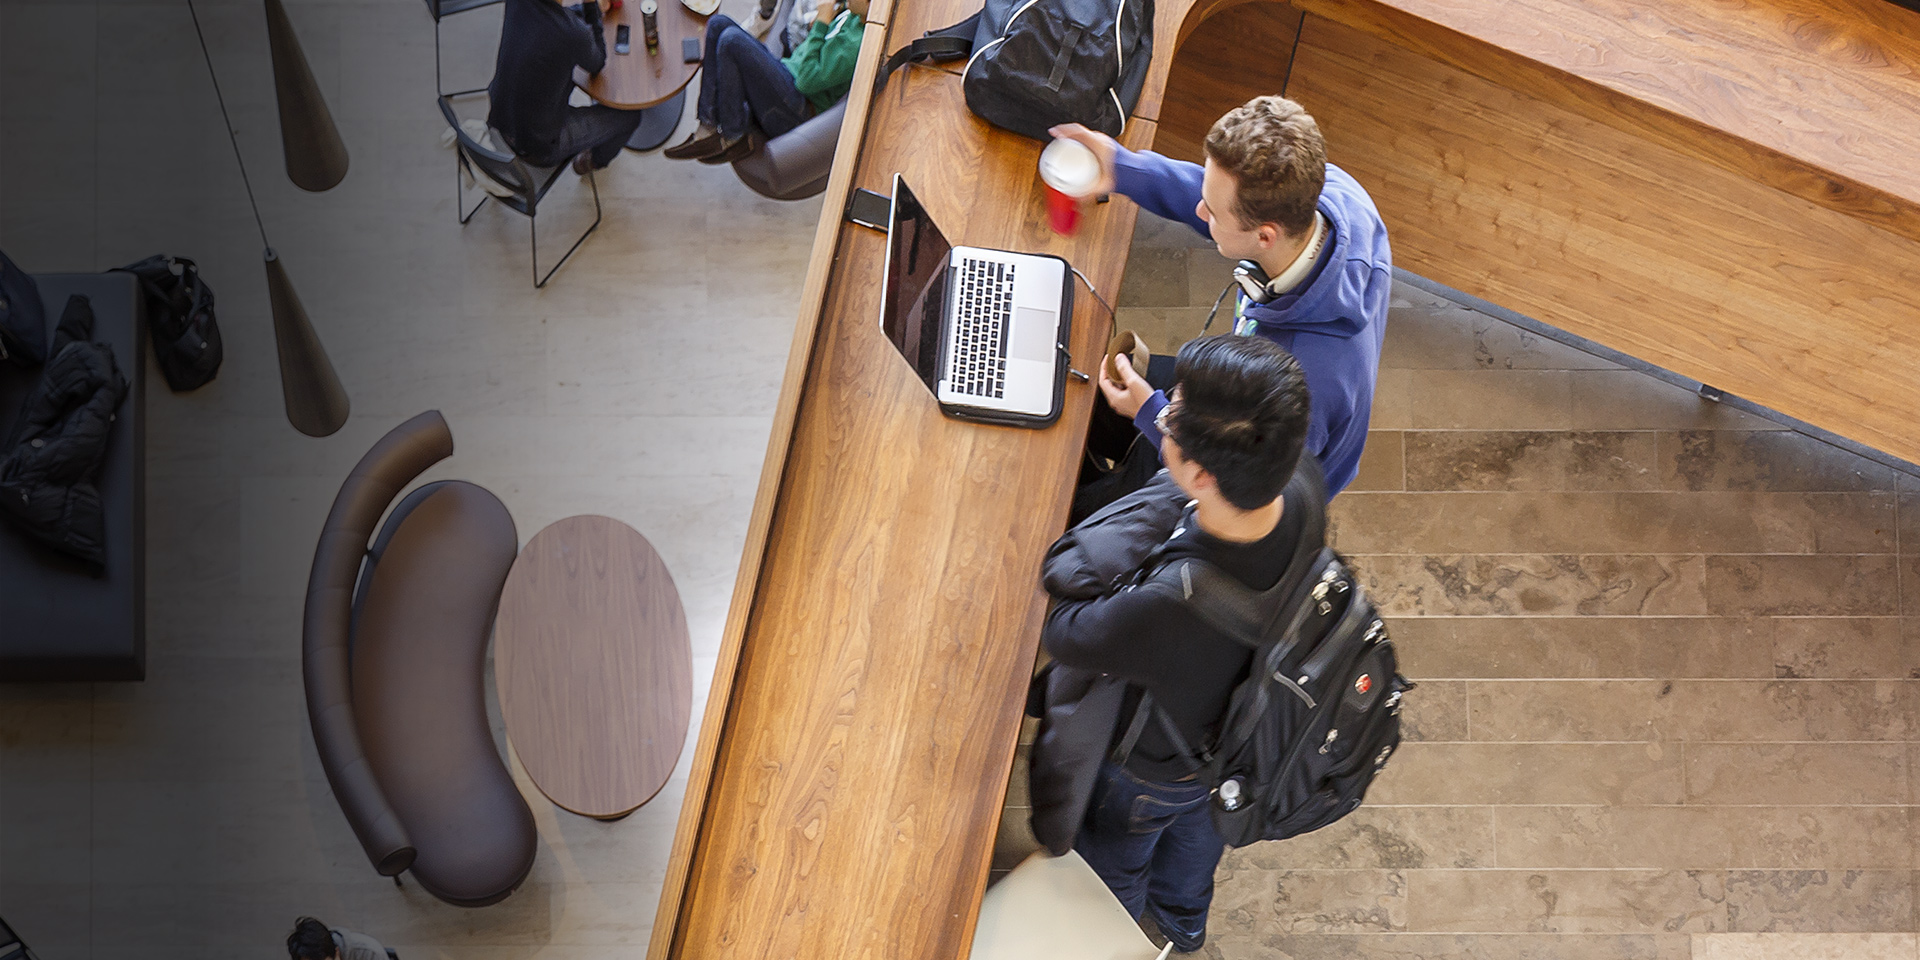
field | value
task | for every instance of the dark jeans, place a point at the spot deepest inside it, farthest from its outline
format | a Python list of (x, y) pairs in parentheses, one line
[(742, 80), (599, 128), (1155, 846)]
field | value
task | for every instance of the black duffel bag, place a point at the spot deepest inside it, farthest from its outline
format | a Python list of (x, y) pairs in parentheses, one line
[(1032, 64), (186, 339)]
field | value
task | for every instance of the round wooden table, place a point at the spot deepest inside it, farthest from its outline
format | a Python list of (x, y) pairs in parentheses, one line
[(653, 83), (594, 667)]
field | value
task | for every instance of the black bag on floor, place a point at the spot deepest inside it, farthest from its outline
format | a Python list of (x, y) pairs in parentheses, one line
[(186, 339), (1032, 64), (1319, 712), (23, 318)]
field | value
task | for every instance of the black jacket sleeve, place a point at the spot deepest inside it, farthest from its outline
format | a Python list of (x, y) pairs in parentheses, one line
[(1121, 633), (591, 45)]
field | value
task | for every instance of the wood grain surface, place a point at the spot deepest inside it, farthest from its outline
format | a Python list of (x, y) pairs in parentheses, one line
[(881, 651), (637, 79), (1817, 98), (594, 666), (1657, 253), (876, 705), (1241, 52)]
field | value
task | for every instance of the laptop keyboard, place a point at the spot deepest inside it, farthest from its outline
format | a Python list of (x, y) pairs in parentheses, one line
[(983, 310)]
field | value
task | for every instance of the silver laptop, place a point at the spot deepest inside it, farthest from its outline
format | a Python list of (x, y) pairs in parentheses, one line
[(985, 329)]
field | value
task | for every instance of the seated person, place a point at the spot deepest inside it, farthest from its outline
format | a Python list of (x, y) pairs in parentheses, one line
[(740, 80), (541, 42)]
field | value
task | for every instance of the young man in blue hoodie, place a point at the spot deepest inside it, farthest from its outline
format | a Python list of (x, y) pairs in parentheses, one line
[(1267, 196)]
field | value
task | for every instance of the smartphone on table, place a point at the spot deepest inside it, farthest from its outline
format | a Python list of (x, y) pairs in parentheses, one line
[(623, 39)]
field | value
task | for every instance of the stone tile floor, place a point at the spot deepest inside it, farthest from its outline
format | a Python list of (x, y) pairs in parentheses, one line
[(1667, 697)]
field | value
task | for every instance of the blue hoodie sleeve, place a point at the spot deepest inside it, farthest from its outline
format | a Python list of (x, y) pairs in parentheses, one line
[(1163, 187), (1146, 421)]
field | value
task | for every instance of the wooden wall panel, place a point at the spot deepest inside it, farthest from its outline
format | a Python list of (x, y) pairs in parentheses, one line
[(1818, 98), (1643, 248), (1237, 54)]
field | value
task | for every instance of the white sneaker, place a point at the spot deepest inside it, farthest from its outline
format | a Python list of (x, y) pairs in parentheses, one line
[(758, 25)]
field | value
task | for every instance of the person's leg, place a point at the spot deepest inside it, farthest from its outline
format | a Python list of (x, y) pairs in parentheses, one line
[(600, 129), (756, 85), (1180, 878), (767, 86), (710, 68), (1117, 848)]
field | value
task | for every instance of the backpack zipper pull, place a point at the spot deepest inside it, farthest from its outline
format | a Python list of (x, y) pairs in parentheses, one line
[(1332, 735)]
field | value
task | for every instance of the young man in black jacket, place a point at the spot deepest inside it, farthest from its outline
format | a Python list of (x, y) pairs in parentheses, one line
[(541, 42), (1234, 431)]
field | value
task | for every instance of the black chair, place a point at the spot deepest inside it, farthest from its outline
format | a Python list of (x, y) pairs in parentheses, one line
[(10, 946), (447, 8), (528, 183)]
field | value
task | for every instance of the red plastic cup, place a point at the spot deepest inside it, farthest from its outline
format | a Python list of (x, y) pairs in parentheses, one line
[(1063, 212), (1069, 169)]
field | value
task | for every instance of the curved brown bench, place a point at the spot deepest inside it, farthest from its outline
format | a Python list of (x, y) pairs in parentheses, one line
[(396, 671)]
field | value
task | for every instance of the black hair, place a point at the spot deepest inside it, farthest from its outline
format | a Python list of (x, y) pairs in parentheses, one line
[(310, 940), (1240, 414)]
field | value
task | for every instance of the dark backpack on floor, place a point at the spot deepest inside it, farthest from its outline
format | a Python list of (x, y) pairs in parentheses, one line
[(1319, 712), (23, 318), (186, 338), (1032, 64)]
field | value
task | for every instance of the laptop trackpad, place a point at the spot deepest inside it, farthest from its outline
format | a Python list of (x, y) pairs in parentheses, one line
[(1033, 334)]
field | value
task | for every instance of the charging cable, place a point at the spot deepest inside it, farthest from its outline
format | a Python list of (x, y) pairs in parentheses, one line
[(1078, 375)]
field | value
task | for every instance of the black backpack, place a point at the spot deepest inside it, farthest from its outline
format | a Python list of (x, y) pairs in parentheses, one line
[(23, 318), (1032, 64), (186, 339), (1318, 714)]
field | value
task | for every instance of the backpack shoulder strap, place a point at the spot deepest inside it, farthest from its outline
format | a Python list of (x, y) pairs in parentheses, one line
[(948, 43), (1249, 615)]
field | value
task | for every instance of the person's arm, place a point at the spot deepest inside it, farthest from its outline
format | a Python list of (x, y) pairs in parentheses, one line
[(1115, 634), (1147, 420), (1166, 188), (590, 42), (1133, 397), (823, 65)]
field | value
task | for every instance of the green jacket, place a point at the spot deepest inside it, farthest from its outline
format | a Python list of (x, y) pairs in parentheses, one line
[(822, 67)]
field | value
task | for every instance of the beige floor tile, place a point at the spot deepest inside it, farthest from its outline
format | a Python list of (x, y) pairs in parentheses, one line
[(1567, 901), (1533, 773), (1689, 838), (1811, 773), (1597, 647), (1806, 946), (1383, 837)]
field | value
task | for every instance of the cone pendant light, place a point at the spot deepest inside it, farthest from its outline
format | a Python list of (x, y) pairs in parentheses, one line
[(316, 402), (316, 157)]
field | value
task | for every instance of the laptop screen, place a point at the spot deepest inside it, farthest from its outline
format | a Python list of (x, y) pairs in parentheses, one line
[(912, 300)]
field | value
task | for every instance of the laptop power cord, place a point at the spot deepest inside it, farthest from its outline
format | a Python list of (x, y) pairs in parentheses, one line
[(1078, 375)]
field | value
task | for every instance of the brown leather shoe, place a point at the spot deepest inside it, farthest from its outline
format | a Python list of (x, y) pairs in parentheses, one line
[(696, 147), (737, 149), (583, 162)]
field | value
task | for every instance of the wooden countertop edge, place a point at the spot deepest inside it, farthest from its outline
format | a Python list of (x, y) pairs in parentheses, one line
[(826, 246), (1597, 101)]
